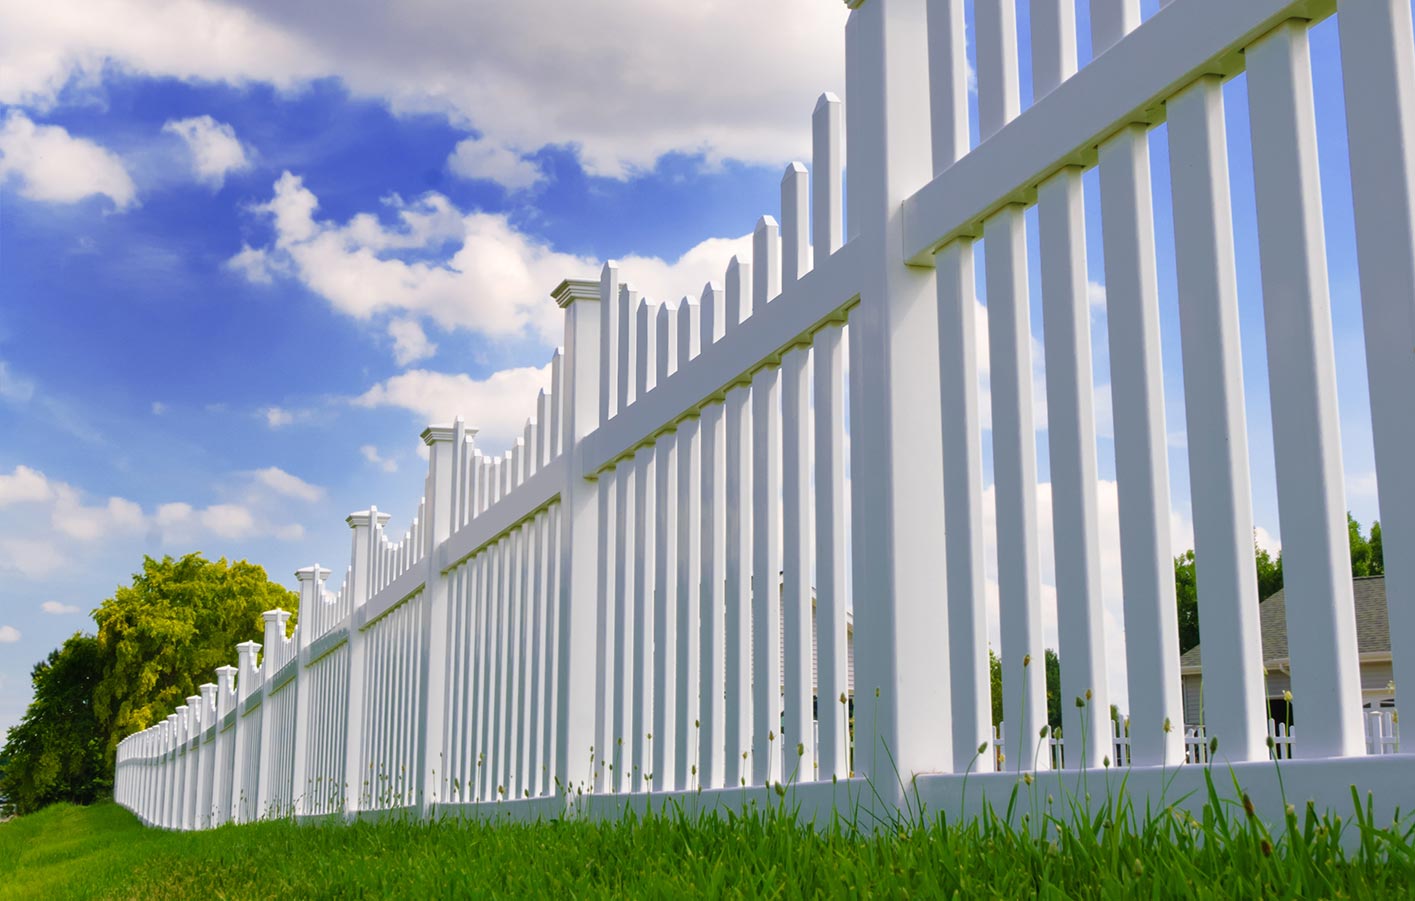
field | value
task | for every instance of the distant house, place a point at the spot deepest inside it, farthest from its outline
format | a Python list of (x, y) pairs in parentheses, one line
[(1372, 642)]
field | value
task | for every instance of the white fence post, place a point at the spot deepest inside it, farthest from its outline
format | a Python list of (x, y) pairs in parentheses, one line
[(903, 704), (247, 679), (224, 746), (274, 635), (1321, 621), (311, 580), (585, 304), (206, 757), (361, 573), (1214, 409), (444, 444), (1378, 71)]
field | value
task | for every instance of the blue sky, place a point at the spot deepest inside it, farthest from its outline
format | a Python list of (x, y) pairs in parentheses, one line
[(247, 253)]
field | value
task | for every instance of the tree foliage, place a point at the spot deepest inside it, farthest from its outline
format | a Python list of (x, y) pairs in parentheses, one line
[(1366, 560), (1053, 684), (158, 640), (165, 634), (57, 752)]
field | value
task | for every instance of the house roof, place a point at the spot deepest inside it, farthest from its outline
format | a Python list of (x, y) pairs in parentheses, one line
[(1372, 623)]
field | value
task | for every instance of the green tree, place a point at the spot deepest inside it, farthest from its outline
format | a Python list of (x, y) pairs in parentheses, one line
[(1186, 600), (995, 681), (1053, 683), (1367, 559), (165, 634), (1186, 589), (158, 640), (1360, 548), (1269, 572), (57, 751), (1053, 679)]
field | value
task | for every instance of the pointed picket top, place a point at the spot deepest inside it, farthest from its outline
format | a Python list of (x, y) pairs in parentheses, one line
[(795, 222), (710, 315), (737, 294), (827, 167), (689, 329), (766, 262), (665, 347)]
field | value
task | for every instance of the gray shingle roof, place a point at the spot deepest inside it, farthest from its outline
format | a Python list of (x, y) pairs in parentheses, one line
[(1372, 624)]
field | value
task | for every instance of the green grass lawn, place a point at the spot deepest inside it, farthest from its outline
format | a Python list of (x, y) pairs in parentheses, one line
[(103, 852)]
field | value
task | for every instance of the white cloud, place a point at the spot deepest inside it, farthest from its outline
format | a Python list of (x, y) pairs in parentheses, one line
[(228, 520), (1095, 293), (704, 262), (275, 417), (477, 158), (53, 524), (410, 342), (23, 485), (55, 608), (252, 263), (460, 270), (372, 455), (9, 635), (215, 150), (13, 387), (282, 482), (53, 166), (498, 406), (622, 83), (73, 518), (494, 280), (32, 558)]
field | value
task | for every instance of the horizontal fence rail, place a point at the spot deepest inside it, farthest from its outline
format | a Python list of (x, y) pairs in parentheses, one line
[(731, 510)]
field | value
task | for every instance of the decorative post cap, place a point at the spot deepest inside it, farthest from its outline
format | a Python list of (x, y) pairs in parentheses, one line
[(366, 517), (312, 572), (435, 433), (573, 289)]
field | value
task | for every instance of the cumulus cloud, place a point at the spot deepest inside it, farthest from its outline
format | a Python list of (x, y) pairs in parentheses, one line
[(22, 485), (704, 262), (621, 83), (282, 482), (55, 608), (53, 166), (228, 520), (276, 417), (54, 522), (9, 635), (371, 454), (253, 264), (473, 270), (497, 406), (410, 342), (213, 146), (481, 159), (492, 278)]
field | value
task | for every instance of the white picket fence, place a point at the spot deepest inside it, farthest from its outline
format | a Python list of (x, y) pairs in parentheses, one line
[(575, 621)]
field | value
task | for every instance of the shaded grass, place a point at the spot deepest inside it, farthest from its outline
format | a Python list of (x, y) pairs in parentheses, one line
[(104, 852)]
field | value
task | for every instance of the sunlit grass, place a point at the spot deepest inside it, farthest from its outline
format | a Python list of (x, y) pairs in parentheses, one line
[(103, 852)]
